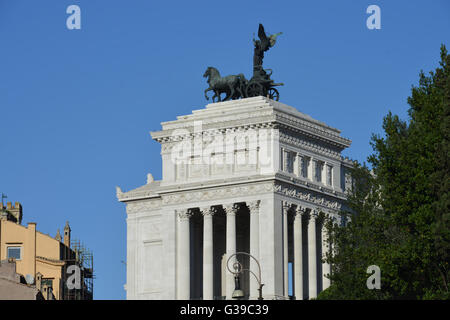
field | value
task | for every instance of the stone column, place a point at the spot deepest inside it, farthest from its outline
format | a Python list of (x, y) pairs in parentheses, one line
[(312, 167), (286, 207), (301, 166), (329, 175), (183, 256), (324, 172), (312, 255), (326, 270), (253, 207), (285, 160), (230, 211), (308, 168), (298, 252), (208, 253)]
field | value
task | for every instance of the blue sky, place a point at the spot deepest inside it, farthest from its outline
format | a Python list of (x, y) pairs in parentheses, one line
[(76, 106)]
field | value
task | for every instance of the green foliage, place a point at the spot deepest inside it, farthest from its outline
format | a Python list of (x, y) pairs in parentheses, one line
[(398, 215)]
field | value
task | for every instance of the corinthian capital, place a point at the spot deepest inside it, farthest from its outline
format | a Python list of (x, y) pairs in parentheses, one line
[(207, 211), (300, 211), (231, 208), (314, 214), (184, 214), (324, 217), (253, 206), (286, 206)]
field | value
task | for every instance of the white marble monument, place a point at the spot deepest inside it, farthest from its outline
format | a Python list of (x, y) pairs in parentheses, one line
[(251, 175)]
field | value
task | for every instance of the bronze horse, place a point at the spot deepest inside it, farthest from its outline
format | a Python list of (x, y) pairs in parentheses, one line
[(231, 85)]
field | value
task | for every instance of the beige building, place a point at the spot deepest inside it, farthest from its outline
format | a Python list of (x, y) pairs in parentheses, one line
[(41, 259)]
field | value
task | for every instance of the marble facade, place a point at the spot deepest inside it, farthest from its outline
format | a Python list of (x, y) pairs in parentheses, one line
[(251, 175)]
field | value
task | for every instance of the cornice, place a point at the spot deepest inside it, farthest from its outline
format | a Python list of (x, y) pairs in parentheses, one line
[(310, 146), (267, 114), (217, 194), (54, 262), (315, 131), (212, 127), (156, 193), (309, 185), (308, 193)]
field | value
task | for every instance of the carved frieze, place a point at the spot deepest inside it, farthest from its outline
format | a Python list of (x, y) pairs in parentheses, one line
[(294, 192), (217, 194), (143, 206), (308, 196)]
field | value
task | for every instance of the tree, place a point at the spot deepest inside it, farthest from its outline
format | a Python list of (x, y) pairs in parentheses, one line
[(398, 215)]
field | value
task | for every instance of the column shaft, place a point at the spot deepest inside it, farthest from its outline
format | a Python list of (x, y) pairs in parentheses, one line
[(254, 247), (208, 254), (183, 256), (312, 256), (298, 256), (230, 247), (286, 207), (326, 270)]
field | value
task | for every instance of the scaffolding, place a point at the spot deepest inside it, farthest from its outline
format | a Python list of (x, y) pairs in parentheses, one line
[(82, 257)]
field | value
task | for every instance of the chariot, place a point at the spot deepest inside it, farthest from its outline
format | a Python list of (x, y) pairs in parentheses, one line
[(237, 86), (261, 85)]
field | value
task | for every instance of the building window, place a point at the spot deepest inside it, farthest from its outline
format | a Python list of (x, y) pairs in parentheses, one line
[(287, 161), (47, 282), (290, 162), (15, 252), (283, 160), (303, 166), (318, 173)]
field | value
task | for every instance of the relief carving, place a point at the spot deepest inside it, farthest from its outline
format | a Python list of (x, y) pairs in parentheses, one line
[(143, 206)]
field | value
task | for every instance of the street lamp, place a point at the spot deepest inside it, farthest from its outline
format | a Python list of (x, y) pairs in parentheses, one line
[(238, 293)]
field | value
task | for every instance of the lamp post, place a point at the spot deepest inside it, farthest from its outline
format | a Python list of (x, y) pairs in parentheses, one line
[(238, 293)]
